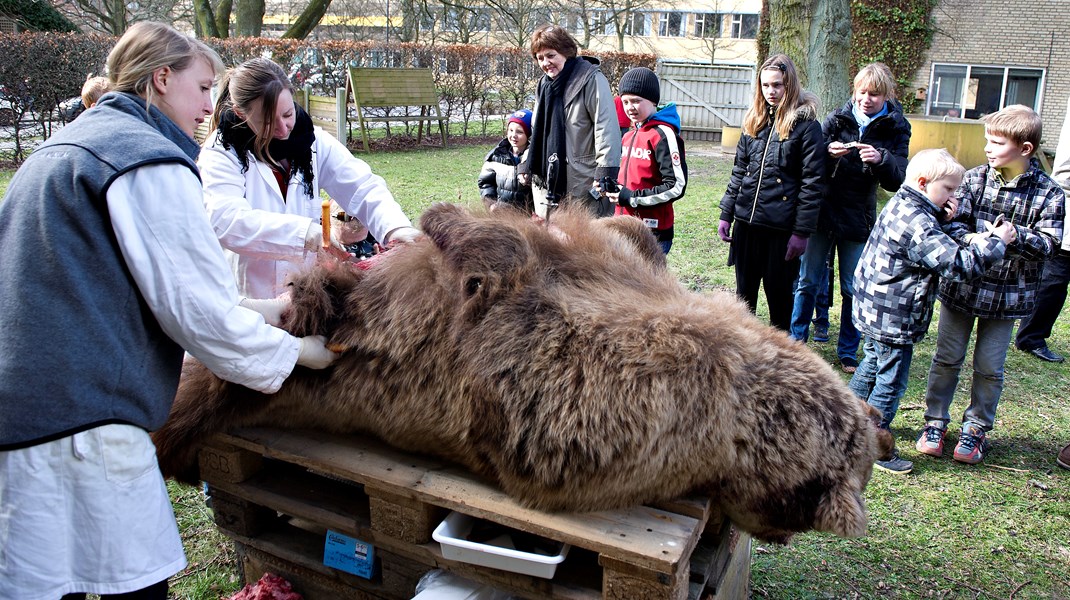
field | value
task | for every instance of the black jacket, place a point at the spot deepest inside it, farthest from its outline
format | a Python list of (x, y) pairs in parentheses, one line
[(786, 193), (850, 206), (498, 179)]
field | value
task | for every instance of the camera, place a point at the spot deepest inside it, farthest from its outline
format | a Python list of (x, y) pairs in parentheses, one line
[(608, 185)]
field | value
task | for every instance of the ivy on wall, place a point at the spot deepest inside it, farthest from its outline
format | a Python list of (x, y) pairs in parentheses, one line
[(897, 33)]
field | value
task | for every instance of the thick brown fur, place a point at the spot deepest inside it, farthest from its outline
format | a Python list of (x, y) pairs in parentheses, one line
[(567, 364)]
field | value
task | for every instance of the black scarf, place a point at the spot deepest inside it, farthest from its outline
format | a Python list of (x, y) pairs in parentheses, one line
[(236, 134), (547, 156)]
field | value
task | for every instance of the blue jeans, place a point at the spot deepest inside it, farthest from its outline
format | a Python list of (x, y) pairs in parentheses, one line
[(882, 377), (810, 274), (989, 358), (823, 299)]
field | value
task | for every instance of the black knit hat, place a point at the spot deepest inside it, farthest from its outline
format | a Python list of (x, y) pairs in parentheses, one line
[(641, 82)]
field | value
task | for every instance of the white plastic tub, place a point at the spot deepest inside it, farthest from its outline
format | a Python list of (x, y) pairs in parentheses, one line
[(498, 553)]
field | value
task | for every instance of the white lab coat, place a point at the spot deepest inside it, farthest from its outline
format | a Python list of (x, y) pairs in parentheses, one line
[(262, 234), (183, 277)]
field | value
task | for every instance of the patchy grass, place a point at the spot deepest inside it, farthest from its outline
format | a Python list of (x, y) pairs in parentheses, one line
[(996, 530)]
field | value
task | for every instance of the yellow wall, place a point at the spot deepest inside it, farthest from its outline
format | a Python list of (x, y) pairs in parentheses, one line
[(963, 138)]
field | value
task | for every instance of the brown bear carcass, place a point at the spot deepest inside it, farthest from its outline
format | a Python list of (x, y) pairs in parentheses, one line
[(570, 366)]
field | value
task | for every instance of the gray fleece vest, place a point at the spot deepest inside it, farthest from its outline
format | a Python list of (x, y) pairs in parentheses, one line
[(79, 347)]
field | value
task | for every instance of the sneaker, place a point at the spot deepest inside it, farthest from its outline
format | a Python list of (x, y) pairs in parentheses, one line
[(1063, 460), (931, 440), (821, 333), (895, 464), (973, 445)]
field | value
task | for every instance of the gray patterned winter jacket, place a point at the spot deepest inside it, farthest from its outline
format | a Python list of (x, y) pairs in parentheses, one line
[(906, 255)]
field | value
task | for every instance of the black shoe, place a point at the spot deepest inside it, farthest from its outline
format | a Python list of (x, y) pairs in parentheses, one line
[(895, 465), (1044, 353)]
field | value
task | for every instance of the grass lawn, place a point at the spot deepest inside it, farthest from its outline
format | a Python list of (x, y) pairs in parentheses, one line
[(996, 530)]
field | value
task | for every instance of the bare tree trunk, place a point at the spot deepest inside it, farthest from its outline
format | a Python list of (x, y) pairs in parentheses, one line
[(250, 19), (205, 19), (816, 34), (222, 17), (307, 21), (830, 52)]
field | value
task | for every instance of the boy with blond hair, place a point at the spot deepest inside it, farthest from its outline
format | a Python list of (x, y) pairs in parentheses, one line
[(1010, 188), (896, 279), (92, 90)]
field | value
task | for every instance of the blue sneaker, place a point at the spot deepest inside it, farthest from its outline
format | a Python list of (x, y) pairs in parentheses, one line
[(973, 445)]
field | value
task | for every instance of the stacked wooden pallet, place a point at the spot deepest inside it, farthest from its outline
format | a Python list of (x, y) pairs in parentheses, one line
[(277, 493)]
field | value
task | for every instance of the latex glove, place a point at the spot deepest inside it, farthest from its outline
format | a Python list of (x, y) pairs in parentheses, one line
[(314, 353), (796, 247), (270, 308), (402, 234), (314, 241), (724, 229)]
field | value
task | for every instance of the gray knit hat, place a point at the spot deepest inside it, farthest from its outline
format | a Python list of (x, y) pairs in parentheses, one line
[(641, 82)]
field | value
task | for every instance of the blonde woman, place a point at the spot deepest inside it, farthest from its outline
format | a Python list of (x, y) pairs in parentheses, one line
[(771, 205), (93, 345), (263, 171), (868, 138)]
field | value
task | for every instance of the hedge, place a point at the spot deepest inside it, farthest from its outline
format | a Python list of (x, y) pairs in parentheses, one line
[(476, 83)]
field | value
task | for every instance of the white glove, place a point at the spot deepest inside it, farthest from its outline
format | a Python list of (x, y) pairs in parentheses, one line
[(271, 309), (314, 241), (314, 353), (402, 234)]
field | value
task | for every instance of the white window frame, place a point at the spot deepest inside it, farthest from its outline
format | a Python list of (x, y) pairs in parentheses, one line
[(663, 24), (707, 21), (934, 85)]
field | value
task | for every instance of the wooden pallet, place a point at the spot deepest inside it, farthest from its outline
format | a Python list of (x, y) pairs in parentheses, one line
[(276, 493)]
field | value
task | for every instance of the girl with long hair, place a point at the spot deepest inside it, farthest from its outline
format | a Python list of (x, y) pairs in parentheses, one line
[(771, 205)]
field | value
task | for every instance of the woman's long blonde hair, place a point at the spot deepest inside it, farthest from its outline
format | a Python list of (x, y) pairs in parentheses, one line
[(257, 79), (148, 46), (757, 116)]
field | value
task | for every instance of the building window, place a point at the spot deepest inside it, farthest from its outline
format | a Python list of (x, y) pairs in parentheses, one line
[(973, 91), (744, 27), (637, 24), (707, 25), (671, 24)]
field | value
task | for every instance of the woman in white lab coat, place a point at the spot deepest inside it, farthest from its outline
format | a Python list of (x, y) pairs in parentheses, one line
[(90, 358), (262, 171)]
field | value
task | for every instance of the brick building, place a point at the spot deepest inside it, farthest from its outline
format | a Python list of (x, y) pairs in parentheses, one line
[(991, 53)]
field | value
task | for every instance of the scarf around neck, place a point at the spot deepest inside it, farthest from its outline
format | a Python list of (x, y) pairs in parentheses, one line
[(547, 155), (863, 119), (235, 133)]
